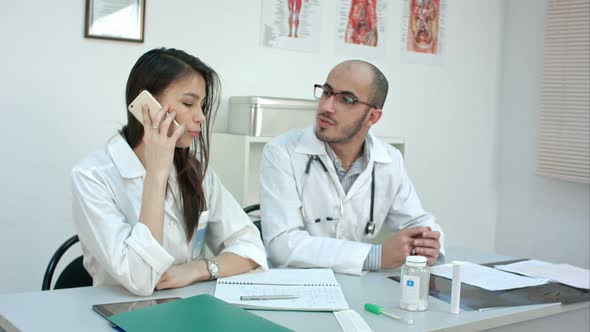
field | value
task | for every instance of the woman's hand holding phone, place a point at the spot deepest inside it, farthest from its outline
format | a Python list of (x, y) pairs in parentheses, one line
[(158, 155), (145, 98), (159, 147)]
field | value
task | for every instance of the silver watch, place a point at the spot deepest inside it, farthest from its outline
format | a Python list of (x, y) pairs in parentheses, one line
[(213, 268)]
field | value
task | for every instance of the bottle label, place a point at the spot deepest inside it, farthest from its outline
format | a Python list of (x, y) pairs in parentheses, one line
[(411, 290)]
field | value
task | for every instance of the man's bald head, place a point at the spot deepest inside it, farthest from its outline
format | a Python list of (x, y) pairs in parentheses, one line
[(379, 85)]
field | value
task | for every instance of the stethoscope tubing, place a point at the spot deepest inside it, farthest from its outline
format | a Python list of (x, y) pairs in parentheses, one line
[(370, 227)]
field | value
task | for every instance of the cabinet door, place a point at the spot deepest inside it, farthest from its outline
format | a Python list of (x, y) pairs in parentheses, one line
[(236, 160)]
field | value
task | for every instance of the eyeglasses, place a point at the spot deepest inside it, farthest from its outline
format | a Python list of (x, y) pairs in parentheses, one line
[(343, 99)]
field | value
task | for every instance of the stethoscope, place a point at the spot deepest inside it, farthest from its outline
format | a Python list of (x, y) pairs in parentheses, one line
[(369, 228)]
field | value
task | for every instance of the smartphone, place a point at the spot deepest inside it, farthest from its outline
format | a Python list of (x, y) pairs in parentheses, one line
[(145, 98), (109, 309)]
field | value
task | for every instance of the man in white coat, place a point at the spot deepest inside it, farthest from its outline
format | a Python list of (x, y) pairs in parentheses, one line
[(327, 190)]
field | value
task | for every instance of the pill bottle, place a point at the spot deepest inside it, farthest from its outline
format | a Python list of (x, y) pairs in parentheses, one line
[(415, 279)]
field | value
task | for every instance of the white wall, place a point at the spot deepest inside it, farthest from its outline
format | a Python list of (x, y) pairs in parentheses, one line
[(63, 96), (538, 217)]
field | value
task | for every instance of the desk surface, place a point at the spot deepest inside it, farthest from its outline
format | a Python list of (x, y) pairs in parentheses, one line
[(70, 309)]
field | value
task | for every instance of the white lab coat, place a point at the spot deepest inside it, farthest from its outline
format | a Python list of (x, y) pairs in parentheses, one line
[(118, 249), (341, 244)]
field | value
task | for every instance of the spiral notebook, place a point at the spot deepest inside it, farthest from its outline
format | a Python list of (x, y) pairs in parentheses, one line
[(314, 289)]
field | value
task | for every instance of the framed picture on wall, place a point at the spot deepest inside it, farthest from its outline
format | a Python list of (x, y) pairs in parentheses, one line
[(115, 20)]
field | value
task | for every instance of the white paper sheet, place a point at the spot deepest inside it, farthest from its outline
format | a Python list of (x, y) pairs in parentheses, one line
[(487, 277), (351, 321), (562, 273)]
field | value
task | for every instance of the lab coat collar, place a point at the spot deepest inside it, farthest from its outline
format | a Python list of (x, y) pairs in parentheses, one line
[(130, 167), (309, 144), (378, 151), (126, 161)]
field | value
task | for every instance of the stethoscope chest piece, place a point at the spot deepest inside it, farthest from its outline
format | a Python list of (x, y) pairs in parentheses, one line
[(370, 228)]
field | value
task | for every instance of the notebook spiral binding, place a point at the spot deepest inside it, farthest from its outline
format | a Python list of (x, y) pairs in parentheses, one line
[(275, 284)]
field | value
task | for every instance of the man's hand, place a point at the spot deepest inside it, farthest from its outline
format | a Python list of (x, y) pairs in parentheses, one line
[(398, 246), (427, 244)]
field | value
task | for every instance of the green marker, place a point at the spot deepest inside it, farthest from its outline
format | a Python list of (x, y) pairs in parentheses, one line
[(380, 311)]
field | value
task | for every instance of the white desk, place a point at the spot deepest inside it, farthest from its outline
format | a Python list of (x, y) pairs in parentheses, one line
[(70, 309)]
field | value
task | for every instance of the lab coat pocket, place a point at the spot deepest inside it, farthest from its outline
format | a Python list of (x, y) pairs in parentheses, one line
[(321, 222), (199, 237)]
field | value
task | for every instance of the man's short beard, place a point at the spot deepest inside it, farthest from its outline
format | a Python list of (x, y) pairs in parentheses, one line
[(349, 133)]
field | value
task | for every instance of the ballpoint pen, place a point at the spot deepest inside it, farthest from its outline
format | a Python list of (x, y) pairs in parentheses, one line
[(380, 311), (267, 297)]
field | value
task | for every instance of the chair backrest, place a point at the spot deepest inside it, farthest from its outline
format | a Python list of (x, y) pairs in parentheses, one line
[(254, 217), (74, 275)]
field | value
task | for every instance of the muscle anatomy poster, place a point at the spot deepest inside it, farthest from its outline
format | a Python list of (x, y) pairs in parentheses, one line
[(362, 27), (291, 24), (423, 26)]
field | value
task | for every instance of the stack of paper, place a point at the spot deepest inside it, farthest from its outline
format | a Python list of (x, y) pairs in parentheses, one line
[(302, 289), (562, 273), (487, 277)]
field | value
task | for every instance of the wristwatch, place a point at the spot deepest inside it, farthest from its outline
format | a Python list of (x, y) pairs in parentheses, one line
[(213, 268)]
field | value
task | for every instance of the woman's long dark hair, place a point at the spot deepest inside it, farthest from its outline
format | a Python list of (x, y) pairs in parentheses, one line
[(155, 71)]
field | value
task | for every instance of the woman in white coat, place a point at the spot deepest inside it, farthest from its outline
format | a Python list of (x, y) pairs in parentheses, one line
[(145, 204)]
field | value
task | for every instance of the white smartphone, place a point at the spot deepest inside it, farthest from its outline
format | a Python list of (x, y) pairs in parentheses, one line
[(146, 98)]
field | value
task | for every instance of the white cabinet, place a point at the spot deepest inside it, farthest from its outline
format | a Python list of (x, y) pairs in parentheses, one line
[(236, 160)]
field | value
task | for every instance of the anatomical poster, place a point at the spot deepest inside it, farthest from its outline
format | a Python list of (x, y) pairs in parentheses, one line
[(423, 27), (362, 27), (291, 24)]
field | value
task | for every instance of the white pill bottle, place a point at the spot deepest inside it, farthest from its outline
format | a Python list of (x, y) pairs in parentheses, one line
[(415, 280)]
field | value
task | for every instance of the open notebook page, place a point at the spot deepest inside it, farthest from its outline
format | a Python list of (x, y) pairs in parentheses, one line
[(315, 289)]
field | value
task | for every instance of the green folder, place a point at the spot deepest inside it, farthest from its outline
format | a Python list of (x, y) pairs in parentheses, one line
[(197, 313)]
